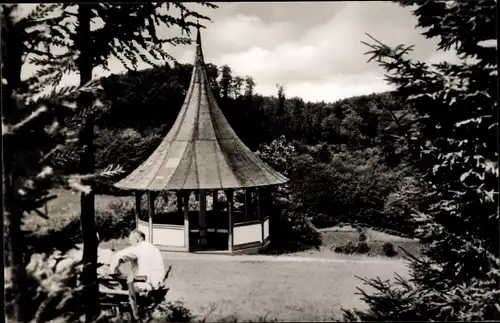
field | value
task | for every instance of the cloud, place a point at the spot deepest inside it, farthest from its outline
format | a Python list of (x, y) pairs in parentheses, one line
[(236, 33), (317, 57), (325, 61)]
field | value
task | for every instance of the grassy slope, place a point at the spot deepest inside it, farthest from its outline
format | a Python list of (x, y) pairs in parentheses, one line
[(63, 208), (375, 240)]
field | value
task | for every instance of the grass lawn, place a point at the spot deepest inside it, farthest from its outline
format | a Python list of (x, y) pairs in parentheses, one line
[(248, 288), (285, 290)]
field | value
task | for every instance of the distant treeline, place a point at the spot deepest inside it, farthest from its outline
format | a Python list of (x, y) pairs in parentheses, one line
[(148, 101)]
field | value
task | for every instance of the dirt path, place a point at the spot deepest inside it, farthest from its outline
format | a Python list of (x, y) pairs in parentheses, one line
[(335, 258)]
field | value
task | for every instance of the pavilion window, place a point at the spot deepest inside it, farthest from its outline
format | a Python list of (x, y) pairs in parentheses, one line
[(246, 205), (143, 212)]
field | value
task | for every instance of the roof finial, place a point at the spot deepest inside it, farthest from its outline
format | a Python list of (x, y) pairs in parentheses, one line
[(198, 36), (199, 53)]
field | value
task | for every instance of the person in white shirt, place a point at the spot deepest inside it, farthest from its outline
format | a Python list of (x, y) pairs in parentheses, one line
[(145, 259)]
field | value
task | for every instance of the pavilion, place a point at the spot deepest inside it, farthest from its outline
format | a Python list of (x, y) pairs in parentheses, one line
[(202, 154)]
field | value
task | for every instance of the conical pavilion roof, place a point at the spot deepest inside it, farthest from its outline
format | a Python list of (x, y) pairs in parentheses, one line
[(201, 150)]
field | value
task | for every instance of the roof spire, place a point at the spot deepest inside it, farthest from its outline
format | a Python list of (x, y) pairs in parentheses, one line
[(199, 52), (201, 150)]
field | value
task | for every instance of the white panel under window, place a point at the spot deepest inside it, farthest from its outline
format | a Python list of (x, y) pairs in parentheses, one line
[(168, 236), (247, 233)]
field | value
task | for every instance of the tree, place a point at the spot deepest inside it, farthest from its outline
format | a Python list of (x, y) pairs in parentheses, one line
[(129, 33), (15, 121), (213, 75), (32, 131), (291, 227), (339, 111), (249, 86), (457, 134), (331, 128), (280, 110), (369, 121), (236, 85), (226, 81)]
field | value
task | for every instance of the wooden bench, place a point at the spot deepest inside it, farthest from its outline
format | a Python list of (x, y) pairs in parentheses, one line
[(121, 297)]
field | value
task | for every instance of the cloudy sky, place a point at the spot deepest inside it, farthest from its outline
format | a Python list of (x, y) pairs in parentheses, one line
[(313, 48)]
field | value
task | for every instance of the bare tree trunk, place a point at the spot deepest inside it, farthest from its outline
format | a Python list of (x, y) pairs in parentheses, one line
[(87, 201), (12, 37), (14, 236)]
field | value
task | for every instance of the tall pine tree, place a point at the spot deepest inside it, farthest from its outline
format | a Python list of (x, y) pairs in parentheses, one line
[(128, 32), (459, 275), (32, 131)]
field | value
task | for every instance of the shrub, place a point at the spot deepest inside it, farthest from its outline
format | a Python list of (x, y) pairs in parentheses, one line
[(353, 248), (361, 248), (290, 225), (389, 249), (171, 312), (116, 220), (291, 229), (347, 248), (52, 288), (361, 234)]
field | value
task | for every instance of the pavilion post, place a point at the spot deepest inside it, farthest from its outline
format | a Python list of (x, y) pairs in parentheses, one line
[(186, 219), (151, 213), (215, 202), (179, 202), (138, 196), (203, 207), (259, 212), (214, 220), (247, 202), (230, 237)]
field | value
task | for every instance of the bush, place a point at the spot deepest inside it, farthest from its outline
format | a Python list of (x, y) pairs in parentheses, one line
[(171, 312), (116, 220), (290, 225), (353, 248), (52, 288), (389, 249), (361, 248), (361, 234), (290, 228)]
